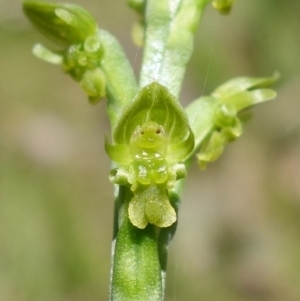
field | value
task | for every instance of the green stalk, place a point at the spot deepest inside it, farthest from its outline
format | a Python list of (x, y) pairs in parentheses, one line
[(136, 272), (170, 30)]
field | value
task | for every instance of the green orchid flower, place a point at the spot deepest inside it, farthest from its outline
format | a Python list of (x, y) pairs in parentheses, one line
[(216, 120), (151, 140)]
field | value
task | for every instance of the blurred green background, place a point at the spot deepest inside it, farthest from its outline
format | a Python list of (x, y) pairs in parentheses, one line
[(239, 229)]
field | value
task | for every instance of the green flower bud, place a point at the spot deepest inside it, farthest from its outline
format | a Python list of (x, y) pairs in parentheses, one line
[(138, 33), (137, 5), (79, 58), (223, 6)]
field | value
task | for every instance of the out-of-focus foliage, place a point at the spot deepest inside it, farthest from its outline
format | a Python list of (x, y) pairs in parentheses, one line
[(239, 221)]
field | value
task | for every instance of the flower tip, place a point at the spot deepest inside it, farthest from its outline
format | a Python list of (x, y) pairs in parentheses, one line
[(94, 100), (66, 24)]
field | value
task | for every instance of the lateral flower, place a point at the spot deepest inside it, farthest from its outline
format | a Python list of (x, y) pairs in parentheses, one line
[(216, 120), (74, 29)]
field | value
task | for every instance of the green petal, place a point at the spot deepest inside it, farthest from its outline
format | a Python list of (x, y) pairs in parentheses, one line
[(63, 23), (119, 153), (241, 84), (159, 211), (136, 210), (155, 103), (47, 55)]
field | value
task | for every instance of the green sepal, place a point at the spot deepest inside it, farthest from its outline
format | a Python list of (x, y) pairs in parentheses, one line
[(223, 6), (241, 84), (243, 100), (211, 149), (155, 103), (62, 23), (136, 268)]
